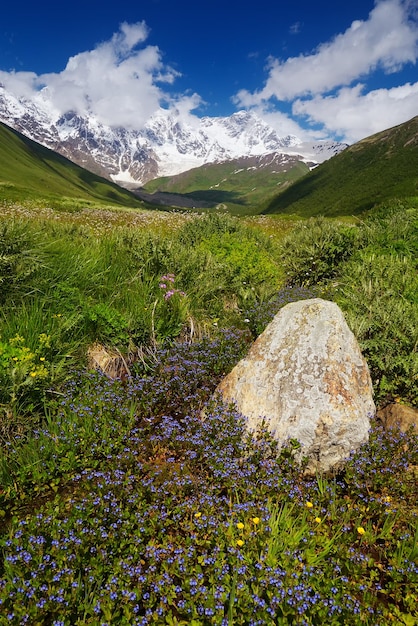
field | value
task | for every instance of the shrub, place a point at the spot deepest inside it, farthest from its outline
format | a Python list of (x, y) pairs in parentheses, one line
[(24, 377), (233, 264), (248, 262), (314, 250), (206, 226), (106, 324), (378, 293)]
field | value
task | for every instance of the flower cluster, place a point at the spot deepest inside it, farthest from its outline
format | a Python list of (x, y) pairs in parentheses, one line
[(161, 515), (167, 285)]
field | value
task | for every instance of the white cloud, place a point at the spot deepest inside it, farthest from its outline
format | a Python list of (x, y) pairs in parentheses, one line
[(295, 28), (130, 35), (354, 115), (117, 82), (21, 83), (386, 41)]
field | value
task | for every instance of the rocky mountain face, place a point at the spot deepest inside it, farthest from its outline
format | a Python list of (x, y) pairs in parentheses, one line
[(167, 145)]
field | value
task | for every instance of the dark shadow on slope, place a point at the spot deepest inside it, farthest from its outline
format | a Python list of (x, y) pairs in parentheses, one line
[(199, 199)]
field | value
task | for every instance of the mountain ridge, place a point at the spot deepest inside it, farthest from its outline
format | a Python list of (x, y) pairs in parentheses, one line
[(166, 145)]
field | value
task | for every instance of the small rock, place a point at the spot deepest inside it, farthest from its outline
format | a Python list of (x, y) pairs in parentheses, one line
[(398, 416)]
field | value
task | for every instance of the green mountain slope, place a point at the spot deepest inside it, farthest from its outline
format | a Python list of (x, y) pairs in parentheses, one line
[(380, 167), (29, 171), (238, 186)]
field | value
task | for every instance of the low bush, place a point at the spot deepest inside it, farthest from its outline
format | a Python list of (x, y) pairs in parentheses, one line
[(378, 293), (315, 249)]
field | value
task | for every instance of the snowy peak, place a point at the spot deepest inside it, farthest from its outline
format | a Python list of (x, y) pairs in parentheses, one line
[(166, 146)]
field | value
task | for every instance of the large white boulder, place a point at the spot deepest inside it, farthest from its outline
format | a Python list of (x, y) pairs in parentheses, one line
[(306, 377)]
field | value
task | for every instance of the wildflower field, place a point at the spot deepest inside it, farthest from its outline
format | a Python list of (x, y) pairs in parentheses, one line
[(119, 503)]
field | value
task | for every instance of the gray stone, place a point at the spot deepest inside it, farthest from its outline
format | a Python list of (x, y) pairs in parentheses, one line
[(306, 377)]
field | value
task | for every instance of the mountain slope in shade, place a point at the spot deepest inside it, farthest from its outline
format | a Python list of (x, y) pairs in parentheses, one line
[(375, 169), (166, 146)]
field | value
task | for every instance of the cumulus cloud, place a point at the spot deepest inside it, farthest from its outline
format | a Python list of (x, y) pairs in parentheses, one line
[(354, 114), (23, 84), (119, 82), (322, 84)]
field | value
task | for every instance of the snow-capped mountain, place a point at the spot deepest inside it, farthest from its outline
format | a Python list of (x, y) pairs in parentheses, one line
[(165, 146)]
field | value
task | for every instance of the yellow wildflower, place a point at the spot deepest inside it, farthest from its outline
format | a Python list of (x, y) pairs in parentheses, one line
[(309, 505), (318, 520), (240, 543), (255, 520), (42, 358), (33, 374), (361, 530), (197, 515), (240, 525)]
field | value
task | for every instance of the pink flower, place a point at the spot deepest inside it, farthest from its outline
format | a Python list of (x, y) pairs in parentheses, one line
[(169, 277)]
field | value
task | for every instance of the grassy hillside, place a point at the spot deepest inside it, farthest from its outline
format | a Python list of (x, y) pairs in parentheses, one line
[(238, 186), (31, 172), (372, 171)]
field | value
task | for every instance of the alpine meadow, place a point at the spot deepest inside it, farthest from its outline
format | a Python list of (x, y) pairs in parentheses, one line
[(130, 494)]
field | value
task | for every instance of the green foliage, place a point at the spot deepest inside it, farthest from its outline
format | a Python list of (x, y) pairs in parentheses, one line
[(224, 272), (377, 289), (206, 226), (238, 186), (314, 250), (249, 263), (370, 270), (372, 171), (18, 259), (24, 377), (122, 502), (170, 310), (378, 293), (393, 227), (250, 267), (38, 174), (107, 325)]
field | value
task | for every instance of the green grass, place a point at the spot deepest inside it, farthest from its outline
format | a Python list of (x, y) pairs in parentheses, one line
[(234, 186), (119, 504), (366, 174), (32, 173)]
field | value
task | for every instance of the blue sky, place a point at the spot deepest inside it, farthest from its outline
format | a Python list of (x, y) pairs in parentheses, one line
[(315, 69)]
